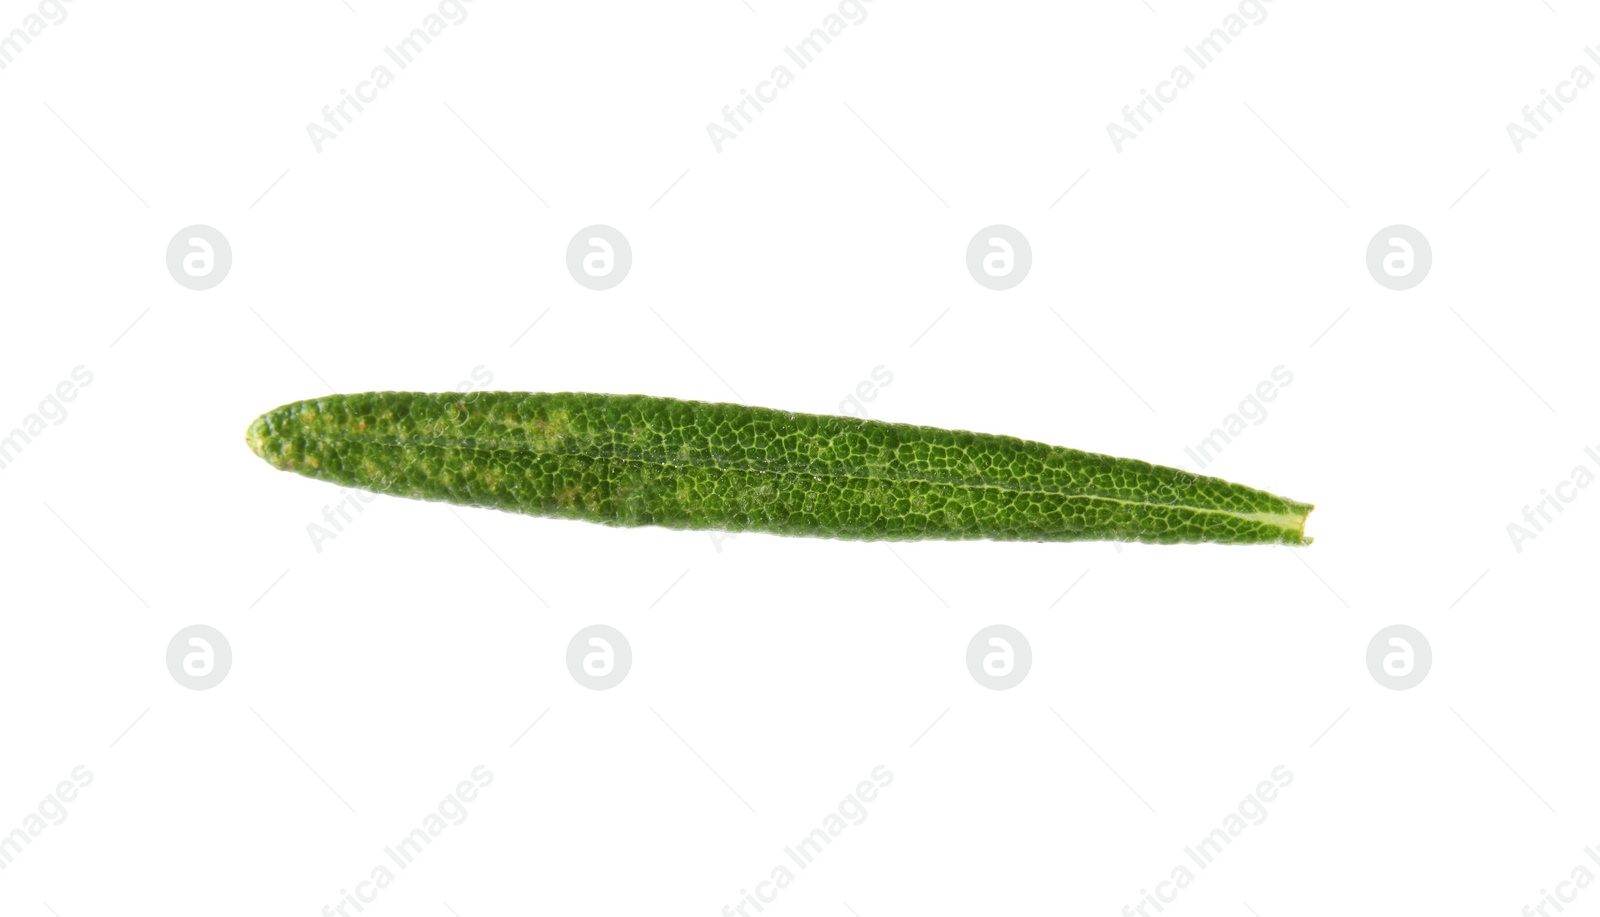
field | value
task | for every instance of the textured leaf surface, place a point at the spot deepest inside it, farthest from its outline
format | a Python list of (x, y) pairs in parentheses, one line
[(633, 460)]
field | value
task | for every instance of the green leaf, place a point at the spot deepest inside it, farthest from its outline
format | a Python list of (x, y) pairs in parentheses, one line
[(630, 460)]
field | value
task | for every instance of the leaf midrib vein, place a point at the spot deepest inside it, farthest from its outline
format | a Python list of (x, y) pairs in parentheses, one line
[(492, 446)]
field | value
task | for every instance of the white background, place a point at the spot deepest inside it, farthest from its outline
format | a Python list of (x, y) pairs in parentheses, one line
[(772, 675)]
